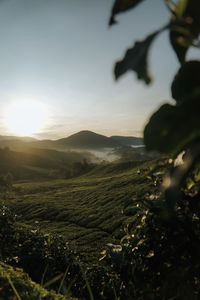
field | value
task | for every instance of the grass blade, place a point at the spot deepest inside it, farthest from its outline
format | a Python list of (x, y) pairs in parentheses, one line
[(44, 273), (56, 278), (116, 298), (71, 284), (87, 284), (62, 281), (14, 289)]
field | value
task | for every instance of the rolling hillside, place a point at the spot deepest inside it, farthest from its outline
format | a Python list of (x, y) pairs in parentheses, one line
[(39, 164), (88, 211)]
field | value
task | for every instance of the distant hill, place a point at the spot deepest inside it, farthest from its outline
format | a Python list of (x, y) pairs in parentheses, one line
[(88, 140), (79, 141), (128, 140)]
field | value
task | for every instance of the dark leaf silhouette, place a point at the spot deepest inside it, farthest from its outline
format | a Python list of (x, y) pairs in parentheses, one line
[(136, 59), (168, 131), (179, 48), (120, 6), (187, 17), (186, 82)]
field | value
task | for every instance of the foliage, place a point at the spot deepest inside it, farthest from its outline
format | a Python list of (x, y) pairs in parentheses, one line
[(46, 258), (15, 280), (120, 6), (159, 257), (136, 60), (173, 134), (7, 219), (61, 207), (184, 28)]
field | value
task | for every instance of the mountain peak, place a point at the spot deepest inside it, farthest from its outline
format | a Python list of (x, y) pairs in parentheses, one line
[(88, 140)]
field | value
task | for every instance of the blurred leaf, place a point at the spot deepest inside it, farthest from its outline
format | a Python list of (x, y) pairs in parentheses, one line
[(178, 47), (184, 42), (181, 7), (120, 6), (197, 174), (171, 128), (192, 16), (186, 83), (187, 17), (184, 31), (190, 183), (135, 59), (171, 5)]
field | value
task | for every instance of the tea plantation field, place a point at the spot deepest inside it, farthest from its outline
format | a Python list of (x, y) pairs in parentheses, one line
[(87, 211)]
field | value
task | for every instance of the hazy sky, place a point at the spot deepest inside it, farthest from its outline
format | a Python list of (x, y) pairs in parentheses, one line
[(61, 53)]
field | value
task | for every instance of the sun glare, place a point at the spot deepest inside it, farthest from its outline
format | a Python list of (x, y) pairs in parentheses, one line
[(26, 117)]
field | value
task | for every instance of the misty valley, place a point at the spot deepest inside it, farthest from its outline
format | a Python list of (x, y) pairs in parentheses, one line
[(29, 159), (66, 204)]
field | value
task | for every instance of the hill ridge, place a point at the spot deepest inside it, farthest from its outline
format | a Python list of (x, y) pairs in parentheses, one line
[(88, 139), (82, 140)]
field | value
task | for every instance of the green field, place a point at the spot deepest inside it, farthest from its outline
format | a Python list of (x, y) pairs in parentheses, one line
[(88, 211)]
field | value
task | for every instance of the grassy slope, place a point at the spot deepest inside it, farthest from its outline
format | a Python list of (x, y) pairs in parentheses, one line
[(38, 164), (88, 211)]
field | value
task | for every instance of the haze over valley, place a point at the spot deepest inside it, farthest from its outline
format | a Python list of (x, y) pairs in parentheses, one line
[(27, 158)]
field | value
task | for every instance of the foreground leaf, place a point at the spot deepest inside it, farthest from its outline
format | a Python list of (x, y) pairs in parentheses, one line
[(172, 128), (180, 49), (187, 17), (186, 83), (181, 7), (136, 58), (120, 6)]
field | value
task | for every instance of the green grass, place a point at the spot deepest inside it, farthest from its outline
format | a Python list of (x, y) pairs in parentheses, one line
[(15, 284), (40, 164), (88, 211)]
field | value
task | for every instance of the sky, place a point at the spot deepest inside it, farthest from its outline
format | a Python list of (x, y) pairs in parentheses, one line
[(61, 54)]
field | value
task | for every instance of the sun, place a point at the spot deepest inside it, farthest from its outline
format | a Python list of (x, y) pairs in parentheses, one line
[(26, 117)]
